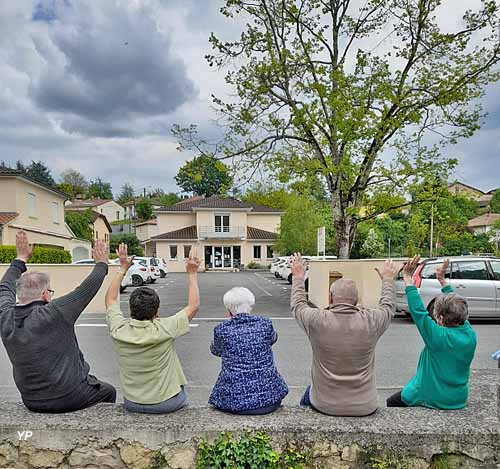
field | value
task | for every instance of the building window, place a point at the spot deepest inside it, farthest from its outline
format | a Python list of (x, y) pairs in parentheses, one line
[(269, 250), (55, 213), (97, 235), (118, 215), (257, 252), (32, 205), (187, 250), (173, 252), (222, 223)]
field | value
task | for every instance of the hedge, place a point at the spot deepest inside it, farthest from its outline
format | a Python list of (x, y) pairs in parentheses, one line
[(41, 255)]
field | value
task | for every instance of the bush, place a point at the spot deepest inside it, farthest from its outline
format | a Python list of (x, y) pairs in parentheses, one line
[(41, 255), (255, 265), (131, 240), (250, 451)]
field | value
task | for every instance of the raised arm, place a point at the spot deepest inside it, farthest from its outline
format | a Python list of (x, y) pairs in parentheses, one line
[(428, 329), (24, 251), (387, 303), (125, 264), (192, 266), (73, 304), (301, 310), (441, 276)]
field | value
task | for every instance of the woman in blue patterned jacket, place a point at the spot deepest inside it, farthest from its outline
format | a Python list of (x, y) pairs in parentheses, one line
[(249, 382)]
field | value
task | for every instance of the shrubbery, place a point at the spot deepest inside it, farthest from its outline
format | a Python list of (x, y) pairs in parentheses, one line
[(41, 255)]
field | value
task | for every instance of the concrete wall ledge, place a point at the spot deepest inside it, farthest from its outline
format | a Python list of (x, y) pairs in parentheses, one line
[(109, 436)]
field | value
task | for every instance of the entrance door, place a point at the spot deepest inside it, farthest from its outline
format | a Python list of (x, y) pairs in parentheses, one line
[(237, 256), (227, 256), (218, 262)]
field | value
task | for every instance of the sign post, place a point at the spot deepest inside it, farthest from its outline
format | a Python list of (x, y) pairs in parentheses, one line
[(321, 241)]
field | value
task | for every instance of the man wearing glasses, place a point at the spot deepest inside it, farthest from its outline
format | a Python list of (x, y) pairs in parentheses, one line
[(39, 335)]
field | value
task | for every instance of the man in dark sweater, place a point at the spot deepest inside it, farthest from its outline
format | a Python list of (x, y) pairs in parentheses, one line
[(39, 336)]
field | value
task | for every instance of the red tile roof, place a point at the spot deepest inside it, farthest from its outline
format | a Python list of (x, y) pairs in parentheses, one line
[(484, 220), (7, 217), (189, 232), (215, 202), (88, 203), (256, 233)]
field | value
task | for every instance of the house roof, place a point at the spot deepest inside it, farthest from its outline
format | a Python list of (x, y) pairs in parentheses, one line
[(7, 172), (88, 203), (484, 220), (7, 217), (492, 192), (149, 222), (256, 233), (215, 202), (190, 232)]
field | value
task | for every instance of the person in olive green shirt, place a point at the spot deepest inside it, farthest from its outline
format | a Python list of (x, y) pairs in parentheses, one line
[(151, 375), (442, 378)]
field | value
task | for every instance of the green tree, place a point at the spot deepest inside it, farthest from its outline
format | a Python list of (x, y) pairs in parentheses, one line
[(131, 240), (327, 86), (99, 189), (126, 194), (167, 199), (373, 245), (36, 170), (264, 193), (144, 209), (73, 183), (80, 223), (495, 202), (204, 175)]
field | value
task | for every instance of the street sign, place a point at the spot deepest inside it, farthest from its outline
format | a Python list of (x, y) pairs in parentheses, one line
[(321, 241)]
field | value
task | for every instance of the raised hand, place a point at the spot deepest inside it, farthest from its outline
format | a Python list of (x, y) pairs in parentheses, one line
[(23, 248), (409, 269), (388, 271), (125, 261), (441, 271), (192, 263), (297, 266), (100, 253)]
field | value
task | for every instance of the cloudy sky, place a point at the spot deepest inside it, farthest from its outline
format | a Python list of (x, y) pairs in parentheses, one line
[(96, 86)]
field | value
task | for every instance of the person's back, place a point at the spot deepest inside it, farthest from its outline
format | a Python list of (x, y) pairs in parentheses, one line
[(343, 338)]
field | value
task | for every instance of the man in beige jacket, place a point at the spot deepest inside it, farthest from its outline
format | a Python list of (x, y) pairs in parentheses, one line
[(343, 337)]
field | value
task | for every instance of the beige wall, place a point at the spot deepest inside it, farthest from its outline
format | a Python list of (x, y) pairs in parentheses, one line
[(174, 221), (464, 190), (361, 271), (145, 232), (101, 230), (14, 198), (265, 222), (109, 210), (65, 278)]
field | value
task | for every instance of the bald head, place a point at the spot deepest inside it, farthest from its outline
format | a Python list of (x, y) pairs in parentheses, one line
[(32, 286), (344, 291)]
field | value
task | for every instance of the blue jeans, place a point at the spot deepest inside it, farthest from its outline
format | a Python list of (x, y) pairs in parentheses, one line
[(170, 405), (306, 398), (259, 411)]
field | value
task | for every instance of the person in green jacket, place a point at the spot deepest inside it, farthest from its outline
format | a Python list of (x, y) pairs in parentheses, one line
[(442, 377)]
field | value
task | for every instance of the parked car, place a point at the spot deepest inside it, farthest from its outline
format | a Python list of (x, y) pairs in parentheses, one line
[(477, 279), (287, 272), (275, 268), (275, 263), (152, 267), (162, 265), (137, 275), (125, 282)]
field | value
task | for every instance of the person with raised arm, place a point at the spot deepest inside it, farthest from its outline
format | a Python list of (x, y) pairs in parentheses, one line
[(442, 377), (343, 338), (150, 371), (38, 333)]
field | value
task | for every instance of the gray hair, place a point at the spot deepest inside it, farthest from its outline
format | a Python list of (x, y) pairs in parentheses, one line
[(31, 285), (239, 300), (452, 308), (344, 290)]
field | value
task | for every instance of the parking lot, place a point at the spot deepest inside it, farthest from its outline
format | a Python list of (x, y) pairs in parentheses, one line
[(397, 352)]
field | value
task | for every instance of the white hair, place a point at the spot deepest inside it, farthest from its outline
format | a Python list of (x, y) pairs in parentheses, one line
[(344, 290), (31, 285), (239, 300)]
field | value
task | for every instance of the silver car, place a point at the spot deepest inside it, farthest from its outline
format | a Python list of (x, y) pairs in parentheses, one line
[(477, 279)]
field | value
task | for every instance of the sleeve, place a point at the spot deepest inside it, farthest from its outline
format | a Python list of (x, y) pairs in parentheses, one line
[(114, 318), (431, 333), (73, 304), (447, 289), (176, 325), (216, 345), (301, 311), (383, 314), (8, 284)]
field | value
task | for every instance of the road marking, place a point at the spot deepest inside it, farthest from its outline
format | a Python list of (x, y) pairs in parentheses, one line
[(258, 286), (91, 325), (194, 325)]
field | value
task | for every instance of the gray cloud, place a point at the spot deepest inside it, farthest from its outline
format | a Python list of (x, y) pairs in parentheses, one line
[(113, 65)]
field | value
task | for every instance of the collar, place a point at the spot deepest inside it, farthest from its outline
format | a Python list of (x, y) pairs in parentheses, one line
[(141, 324), (343, 308), (32, 303)]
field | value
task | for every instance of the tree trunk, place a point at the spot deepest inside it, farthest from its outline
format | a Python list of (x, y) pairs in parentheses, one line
[(345, 227)]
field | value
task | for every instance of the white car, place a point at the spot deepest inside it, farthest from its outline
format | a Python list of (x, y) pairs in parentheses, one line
[(162, 265), (275, 264), (152, 268), (137, 275)]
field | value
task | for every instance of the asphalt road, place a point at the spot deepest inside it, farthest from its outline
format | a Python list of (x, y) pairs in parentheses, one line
[(397, 352)]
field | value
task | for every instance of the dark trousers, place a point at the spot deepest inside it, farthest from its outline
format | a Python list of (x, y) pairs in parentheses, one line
[(396, 401), (306, 398), (259, 411), (86, 395)]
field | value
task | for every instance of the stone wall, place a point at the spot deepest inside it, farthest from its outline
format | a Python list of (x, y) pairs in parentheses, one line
[(107, 436)]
